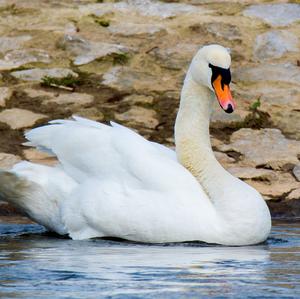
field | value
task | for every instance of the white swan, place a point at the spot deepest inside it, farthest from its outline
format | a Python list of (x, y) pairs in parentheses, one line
[(113, 182)]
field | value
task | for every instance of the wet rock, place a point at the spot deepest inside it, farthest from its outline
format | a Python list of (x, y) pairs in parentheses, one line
[(5, 94), (282, 14), (17, 58), (140, 116), (132, 29), (252, 173), (274, 44), (264, 148), (125, 79), (38, 73), (176, 57), (7, 161), (12, 43), (19, 118), (86, 51), (296, 172), (287, 73)]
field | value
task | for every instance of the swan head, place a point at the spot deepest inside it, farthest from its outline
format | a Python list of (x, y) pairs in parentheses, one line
[(211, 67)]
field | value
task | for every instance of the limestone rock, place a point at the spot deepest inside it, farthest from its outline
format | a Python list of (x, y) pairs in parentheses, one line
[(70, 28), (7, 161), (296, 172), (90, 113), (223, 30), (176, 57), (294, 195), (17, 58), (35, 156), (139, 115), (287, 73), (278, 189), (19, 118), (86, 52), (134, 99), (280, 102), (73, 99), (5, 94), (13, 43), (282, 14), (37, 74), (164, 10), (147, 8), (133, 29), (125, 79), (274, 44), (216, 143), (220, 119), (252, 173), (34, 93), (223, 158), (264, 148)]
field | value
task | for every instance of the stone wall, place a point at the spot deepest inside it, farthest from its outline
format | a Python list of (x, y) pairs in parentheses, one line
[(126, 60)]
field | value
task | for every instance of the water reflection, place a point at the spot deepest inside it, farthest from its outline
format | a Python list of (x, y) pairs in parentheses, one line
[(34, 265)]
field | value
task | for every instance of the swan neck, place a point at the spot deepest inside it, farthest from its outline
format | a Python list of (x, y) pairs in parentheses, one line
[(192, 138)]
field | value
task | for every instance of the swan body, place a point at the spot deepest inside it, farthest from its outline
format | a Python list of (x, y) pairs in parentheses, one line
[(111, 182)]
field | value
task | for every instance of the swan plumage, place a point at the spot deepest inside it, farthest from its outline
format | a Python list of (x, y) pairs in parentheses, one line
[(110, 181)]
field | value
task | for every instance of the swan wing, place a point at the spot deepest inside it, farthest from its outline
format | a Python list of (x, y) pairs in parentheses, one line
[(87, 149)]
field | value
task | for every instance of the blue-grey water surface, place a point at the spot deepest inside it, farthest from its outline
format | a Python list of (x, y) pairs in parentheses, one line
[(34, 264)]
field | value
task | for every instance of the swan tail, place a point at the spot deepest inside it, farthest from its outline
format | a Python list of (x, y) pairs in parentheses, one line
[(13, 188), (27, 187)]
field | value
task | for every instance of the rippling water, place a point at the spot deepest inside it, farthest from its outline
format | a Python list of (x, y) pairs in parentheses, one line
[(34, 264)]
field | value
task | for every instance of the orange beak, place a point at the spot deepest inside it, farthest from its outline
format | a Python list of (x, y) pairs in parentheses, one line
[(223, 95)]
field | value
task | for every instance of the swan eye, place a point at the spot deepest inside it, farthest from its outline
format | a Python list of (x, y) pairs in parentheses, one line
[(225, 75)]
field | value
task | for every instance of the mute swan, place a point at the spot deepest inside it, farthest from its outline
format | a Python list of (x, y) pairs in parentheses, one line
[(112, 182)]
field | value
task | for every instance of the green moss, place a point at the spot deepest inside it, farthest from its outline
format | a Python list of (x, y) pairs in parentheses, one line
[(256, 119), (255, 105), (68, 81), (120, 58)]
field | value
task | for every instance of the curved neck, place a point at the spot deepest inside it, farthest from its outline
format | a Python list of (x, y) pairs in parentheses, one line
[(192, 139)]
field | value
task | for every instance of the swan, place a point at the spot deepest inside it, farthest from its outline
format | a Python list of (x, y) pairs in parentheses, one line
[(111, 182)]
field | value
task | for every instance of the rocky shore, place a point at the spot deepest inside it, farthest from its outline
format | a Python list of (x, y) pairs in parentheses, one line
[(125, 61)]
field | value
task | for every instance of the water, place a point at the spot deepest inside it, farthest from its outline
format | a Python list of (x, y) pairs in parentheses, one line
[(34, 264)]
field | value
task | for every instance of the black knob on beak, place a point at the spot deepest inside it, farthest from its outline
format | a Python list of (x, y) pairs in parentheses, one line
[(229, 109)]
